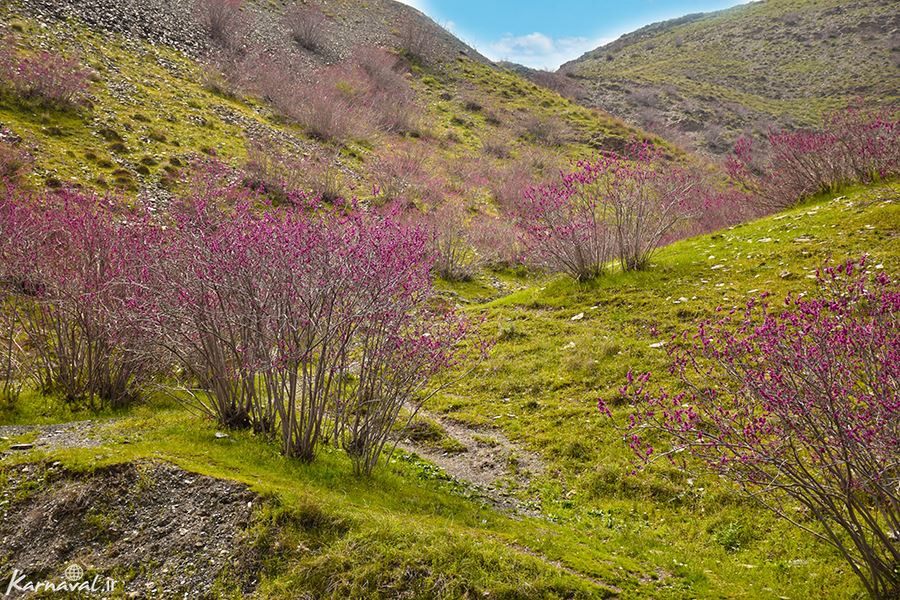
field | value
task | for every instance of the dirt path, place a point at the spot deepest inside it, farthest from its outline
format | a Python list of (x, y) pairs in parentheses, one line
[(76, 434), (485, 460)]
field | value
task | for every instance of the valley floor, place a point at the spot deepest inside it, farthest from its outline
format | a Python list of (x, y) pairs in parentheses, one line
[(512, 486)]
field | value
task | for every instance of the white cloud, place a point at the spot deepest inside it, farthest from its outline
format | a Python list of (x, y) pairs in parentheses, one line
[(417, 4), (538, 50)]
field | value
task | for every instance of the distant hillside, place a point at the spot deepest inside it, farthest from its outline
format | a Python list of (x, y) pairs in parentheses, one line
[(160, 95), (703, 79)]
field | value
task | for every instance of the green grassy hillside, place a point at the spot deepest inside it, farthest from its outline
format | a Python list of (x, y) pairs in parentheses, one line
[(583, 525), (593, 530), (152, 108), (705, 78)]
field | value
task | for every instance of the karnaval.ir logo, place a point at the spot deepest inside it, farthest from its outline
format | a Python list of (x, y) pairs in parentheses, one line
[(72, 581)]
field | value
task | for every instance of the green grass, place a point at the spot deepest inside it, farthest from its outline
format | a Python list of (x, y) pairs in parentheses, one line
[(662, 533), (546, 372), (408, 529)]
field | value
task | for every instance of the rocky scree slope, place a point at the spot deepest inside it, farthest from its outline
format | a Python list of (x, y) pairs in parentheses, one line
[(172, 22)]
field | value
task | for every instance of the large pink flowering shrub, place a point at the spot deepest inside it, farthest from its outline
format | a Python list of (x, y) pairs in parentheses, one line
[(857, 144), (799, 406), (614, 208)]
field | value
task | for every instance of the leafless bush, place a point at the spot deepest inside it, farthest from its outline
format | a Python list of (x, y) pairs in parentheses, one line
[(271, 171), (397, 175), (644, 97), (270, 77), (496, 240), (559, 83), (307, 25), (323, 178), (329, 114), (220, 19), (507, 183), (496, 145), (15, 162), (417, 40), (546, 130), (455, 258), (390, 96), (280, 175)]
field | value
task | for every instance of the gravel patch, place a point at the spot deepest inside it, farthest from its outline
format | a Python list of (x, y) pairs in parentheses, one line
[(158, 530)]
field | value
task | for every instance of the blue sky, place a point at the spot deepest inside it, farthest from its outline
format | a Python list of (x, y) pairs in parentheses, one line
[(545, 34)]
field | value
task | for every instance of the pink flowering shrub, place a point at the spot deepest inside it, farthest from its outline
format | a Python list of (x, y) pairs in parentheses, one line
[(797, 405), (67, 259), (302, 322), (565, 227), (646, 199), (45, 77), (305, 322), (856, 144), (52, 79), (612, 208)]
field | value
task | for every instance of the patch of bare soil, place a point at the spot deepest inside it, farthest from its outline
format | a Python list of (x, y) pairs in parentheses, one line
[(157, 529), (484, 459)]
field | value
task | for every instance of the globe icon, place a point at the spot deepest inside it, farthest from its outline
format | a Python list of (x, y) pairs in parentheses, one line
[(74, 572)]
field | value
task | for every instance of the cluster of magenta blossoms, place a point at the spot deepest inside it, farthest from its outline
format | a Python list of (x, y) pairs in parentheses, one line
[(46, 77), (797, 405), (68, 266), (857, 144), (614, 208), (307, 323)]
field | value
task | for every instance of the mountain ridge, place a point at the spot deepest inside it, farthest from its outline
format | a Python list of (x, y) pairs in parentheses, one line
[(707, 78)]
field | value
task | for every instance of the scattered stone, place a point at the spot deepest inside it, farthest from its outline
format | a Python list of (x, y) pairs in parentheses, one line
[(220, 435), (578, 317), (21, 447)]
